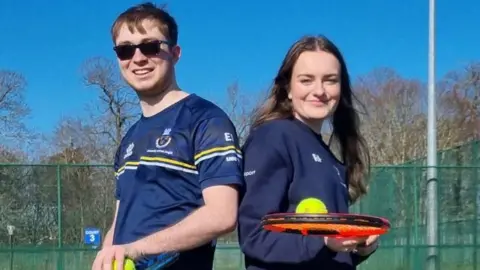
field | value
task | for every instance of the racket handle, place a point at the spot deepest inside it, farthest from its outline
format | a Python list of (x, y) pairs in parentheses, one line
[(162, 261)]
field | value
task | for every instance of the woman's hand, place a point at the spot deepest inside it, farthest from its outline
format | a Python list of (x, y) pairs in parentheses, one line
[(368, 246), (344, 244)]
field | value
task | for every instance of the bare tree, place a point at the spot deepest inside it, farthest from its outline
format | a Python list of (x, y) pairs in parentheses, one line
[(394, 126), (460, 103), (238, 108), (76, 132), (15, 195), (394, 116), (459, 122), (13, 107), (117, 106)]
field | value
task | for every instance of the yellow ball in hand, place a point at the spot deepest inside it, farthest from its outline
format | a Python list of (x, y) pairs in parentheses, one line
[(311, 206), (128, 264)]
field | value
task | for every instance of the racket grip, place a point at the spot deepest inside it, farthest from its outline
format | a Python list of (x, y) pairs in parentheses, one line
[(162, 261)]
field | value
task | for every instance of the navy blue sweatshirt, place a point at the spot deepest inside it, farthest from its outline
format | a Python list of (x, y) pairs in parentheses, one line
[(286, 162)]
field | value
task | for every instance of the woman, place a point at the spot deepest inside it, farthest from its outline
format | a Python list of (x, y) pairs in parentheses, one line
[(286, 162)]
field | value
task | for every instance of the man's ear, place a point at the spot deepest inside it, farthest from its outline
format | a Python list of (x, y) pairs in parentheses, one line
[(176, 53)]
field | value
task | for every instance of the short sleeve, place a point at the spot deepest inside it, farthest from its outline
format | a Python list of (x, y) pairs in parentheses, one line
[(217, 153)]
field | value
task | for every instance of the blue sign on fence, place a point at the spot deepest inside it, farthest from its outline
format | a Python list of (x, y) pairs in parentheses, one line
[(92, 236)]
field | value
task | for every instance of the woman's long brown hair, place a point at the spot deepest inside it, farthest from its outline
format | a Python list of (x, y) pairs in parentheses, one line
[(345, 120)]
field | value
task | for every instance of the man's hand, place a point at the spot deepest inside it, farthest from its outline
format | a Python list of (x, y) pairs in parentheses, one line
[(109, 254)]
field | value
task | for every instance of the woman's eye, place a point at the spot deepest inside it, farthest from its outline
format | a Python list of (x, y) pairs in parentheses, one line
[(332, 81)]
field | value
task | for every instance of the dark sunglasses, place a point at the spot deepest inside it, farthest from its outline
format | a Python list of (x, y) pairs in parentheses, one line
[(150, 48)]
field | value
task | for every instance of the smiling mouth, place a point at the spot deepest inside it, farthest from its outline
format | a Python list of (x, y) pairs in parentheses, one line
[(143, 71), (318, 102)]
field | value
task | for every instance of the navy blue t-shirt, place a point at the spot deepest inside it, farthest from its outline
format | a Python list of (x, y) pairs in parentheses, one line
[(163, 164), (286, 162)]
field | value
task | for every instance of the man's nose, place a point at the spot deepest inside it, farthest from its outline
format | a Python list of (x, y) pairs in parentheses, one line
[(139, 56)]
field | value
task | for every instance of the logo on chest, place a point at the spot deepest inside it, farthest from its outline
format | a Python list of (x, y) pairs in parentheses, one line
[(316, 158), (129, 151), (162, 142)]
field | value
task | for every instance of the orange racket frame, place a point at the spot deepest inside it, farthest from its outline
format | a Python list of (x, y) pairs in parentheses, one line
[(332, 224)]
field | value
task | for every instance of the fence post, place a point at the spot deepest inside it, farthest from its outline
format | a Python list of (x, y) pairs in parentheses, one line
[(417, 180), (475, 158), (59, 206), (59, 216)]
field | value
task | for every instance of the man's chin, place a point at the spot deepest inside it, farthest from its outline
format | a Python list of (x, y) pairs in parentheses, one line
[(142, 86), (143, 89), (148, 92), (148, 88)]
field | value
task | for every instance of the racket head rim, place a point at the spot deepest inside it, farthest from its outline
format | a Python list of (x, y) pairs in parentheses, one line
[(327, 232), (317, 218), (281, 226)]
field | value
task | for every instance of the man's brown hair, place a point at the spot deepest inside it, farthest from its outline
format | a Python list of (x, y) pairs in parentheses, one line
[(134, 17)]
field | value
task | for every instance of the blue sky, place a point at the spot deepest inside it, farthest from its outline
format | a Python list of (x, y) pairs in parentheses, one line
[(242, 41)]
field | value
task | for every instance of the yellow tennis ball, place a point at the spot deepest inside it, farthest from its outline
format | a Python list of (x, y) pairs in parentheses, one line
[(128, 264), (312, 206)]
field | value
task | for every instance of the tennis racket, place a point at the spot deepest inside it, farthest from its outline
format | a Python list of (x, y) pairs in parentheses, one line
[(162, 261), (332, 224)]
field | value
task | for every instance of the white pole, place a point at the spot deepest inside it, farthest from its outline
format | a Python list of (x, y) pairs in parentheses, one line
[(432, 204)]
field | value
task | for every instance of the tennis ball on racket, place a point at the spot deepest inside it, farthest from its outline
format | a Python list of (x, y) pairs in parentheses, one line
[(312, 206), (128, 264)]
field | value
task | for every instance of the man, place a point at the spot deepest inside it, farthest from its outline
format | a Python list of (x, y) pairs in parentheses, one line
[(178, 167)]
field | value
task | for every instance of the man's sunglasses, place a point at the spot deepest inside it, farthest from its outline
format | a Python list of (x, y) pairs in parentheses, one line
[(150, 48)]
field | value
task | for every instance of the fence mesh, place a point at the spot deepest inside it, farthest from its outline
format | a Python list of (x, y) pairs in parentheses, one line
[(50, 205)]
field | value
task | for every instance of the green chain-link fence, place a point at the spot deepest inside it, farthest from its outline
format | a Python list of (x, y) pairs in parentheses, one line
[(228, 257), (399, 193), (50, 205)]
